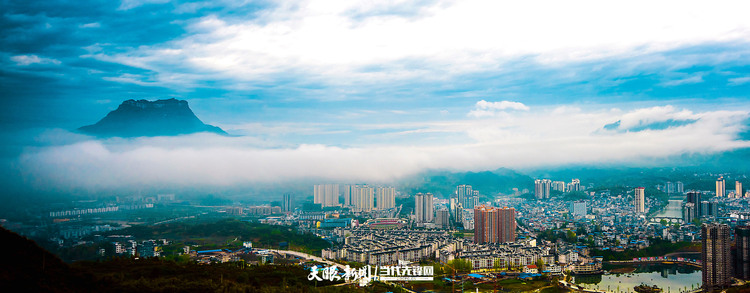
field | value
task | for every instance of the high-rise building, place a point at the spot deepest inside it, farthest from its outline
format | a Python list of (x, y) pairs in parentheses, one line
[(474, 201), (639, 202), (327, 195), (688, 212), (423, 207), (558, 186), (694, 197), (464, 192), (542, 188), (346, 193), (713, 208), (669, 188), (287, 204), (363, 198), (574, 185), (386, 197), (578, 209), (538, 189), (742, 260), (715, 255), (705, 209), (442, 218), (680, 187), (738, 189), (494, 225), (457, 210), (721, 189)]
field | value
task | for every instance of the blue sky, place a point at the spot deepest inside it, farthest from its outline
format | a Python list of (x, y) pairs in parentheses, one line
[(426, 79)]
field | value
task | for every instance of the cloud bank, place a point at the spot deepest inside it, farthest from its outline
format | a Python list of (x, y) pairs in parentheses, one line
[(358, 41), (545, 137)]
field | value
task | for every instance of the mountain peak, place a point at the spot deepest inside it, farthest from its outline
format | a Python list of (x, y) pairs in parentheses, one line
[(146, 104), (150, 118)]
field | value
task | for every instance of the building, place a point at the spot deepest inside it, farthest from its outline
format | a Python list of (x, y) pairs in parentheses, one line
[(327, 195), (578, 209), (738, 189), (694, 197), (721, 189), (494, 225), (262, 210), (236, 211), (464, 193), (386, 197), (715, 256), (674, 187), (542, 188), (709, 209), (148, 248), (742, 259), (468, 219), (558, 186), (456, 210), (688, 212), (346, 193), (474, 201), (442, 218), (574, 185), (363, 198), (287, 204), (639, 202), (423, 207)]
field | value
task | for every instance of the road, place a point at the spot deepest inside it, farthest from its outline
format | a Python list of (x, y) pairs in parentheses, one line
[(308, 256)]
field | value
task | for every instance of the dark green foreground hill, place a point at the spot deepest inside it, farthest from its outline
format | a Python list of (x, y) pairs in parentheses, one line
[(26, 267)]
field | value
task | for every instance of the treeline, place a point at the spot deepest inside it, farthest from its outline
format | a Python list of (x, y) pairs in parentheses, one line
[(657, 248)]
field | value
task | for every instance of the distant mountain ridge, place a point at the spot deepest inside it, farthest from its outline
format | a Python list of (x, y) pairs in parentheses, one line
[(135, 118), (488, 183)]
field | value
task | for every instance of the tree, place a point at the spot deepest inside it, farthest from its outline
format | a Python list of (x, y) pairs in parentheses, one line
[(540, 264), (571, 236), (460, 265)]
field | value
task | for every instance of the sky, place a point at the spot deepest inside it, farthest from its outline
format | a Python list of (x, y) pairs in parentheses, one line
[(367, 90)]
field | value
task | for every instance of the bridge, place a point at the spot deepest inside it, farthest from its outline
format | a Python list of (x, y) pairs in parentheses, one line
[(668, 219), (660, 259)]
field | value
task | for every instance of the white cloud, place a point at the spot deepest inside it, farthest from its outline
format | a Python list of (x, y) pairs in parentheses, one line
[(332, 41), (90, 25), (647, 116), (739, 80), (518, 139), (488, 109), (698, 78), (130, 4), (26, 60)]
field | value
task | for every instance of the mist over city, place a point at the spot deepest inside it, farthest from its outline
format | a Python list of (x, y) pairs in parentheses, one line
[(311, 135)]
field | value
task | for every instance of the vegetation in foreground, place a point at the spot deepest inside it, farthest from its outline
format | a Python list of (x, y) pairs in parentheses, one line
[(32, 269)]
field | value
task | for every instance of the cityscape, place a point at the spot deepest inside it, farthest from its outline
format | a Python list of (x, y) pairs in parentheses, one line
[(565, 235), (375, 146)]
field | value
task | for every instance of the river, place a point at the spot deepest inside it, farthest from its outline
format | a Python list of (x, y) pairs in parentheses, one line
[(671, 278), (673, 208)]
